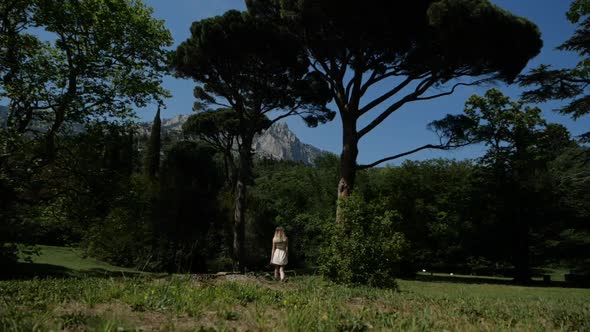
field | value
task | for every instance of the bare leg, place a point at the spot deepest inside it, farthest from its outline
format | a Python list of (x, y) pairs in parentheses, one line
[(282, 272), (276, 272)]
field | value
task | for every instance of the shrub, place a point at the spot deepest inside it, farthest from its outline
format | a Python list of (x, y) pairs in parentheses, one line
[(365, 248), (124, 237)]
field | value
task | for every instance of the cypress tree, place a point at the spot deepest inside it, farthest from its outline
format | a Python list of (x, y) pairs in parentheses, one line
[(152, 154)]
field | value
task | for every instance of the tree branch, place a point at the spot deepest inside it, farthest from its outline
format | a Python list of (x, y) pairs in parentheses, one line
[(426, 82), (323, 74), (452, 90), (424, 147), (369, 82), (385, 96), (349, 87), (221, 104), (414, 96), (357, 81), (424, 85), (282, 116), (376, 79), (345, 62)]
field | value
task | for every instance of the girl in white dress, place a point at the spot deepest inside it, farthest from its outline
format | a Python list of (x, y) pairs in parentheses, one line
[(280, 250)]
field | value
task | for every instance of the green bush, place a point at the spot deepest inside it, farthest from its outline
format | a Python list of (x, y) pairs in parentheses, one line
[(124, 237), (365, 248)]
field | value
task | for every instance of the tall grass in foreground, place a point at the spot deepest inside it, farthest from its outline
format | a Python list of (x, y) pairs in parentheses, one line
[(303, 304)]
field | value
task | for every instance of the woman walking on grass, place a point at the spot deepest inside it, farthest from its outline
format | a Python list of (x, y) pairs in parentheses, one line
[(280, 250)]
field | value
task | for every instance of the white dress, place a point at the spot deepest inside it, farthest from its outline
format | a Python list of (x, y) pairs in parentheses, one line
[(279, 256)]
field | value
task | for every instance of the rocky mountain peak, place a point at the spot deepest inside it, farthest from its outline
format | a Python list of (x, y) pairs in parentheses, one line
[(277, 142), (176, 122), (281, 130)]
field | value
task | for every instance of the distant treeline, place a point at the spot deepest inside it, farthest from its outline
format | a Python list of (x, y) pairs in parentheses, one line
[(444, 215)]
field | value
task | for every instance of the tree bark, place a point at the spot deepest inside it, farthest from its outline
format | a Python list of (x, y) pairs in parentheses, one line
[(242, 181), (347, 161), (60, 111), (52, 132)]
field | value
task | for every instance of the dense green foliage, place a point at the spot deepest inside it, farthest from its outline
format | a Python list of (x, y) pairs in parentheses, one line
[(170, 224), (188, 214), (368, 248), (434, 200), (521, 146), (449, 213), (104, 58), (297, 197), (220, 129), (98, 61)]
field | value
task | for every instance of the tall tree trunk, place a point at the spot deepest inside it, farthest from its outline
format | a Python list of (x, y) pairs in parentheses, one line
[(243, 179), (60, 111), (226, 168), (347, 161), (230, 168)]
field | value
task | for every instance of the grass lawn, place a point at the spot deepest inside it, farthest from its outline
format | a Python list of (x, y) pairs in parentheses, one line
[(61, 262), (72, 259), (146, 302)]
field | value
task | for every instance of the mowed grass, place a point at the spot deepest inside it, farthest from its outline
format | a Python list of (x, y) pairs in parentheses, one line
[(145, 302), (250, 303), (71, 259)]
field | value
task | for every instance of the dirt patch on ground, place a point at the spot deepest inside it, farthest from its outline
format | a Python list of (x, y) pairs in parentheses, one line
[(264, 280), (149, 321)]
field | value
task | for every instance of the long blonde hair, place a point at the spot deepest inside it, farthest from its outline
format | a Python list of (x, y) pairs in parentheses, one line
[(280, 235)]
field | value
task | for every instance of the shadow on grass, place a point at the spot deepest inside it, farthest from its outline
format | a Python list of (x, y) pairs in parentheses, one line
[(463, 279), (24, 271)]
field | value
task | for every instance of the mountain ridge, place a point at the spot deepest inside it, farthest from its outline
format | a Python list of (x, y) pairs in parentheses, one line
[(278, 142)]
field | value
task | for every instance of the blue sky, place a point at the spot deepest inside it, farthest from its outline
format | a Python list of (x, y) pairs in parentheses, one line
[(405, 129)]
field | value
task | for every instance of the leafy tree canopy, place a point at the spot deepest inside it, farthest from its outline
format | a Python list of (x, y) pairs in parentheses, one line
[(254, 68), (505, 126), (410, 47), (103, 57), (219, 128), (446, 38), (568, 83), (578, 9), (521, 145)]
